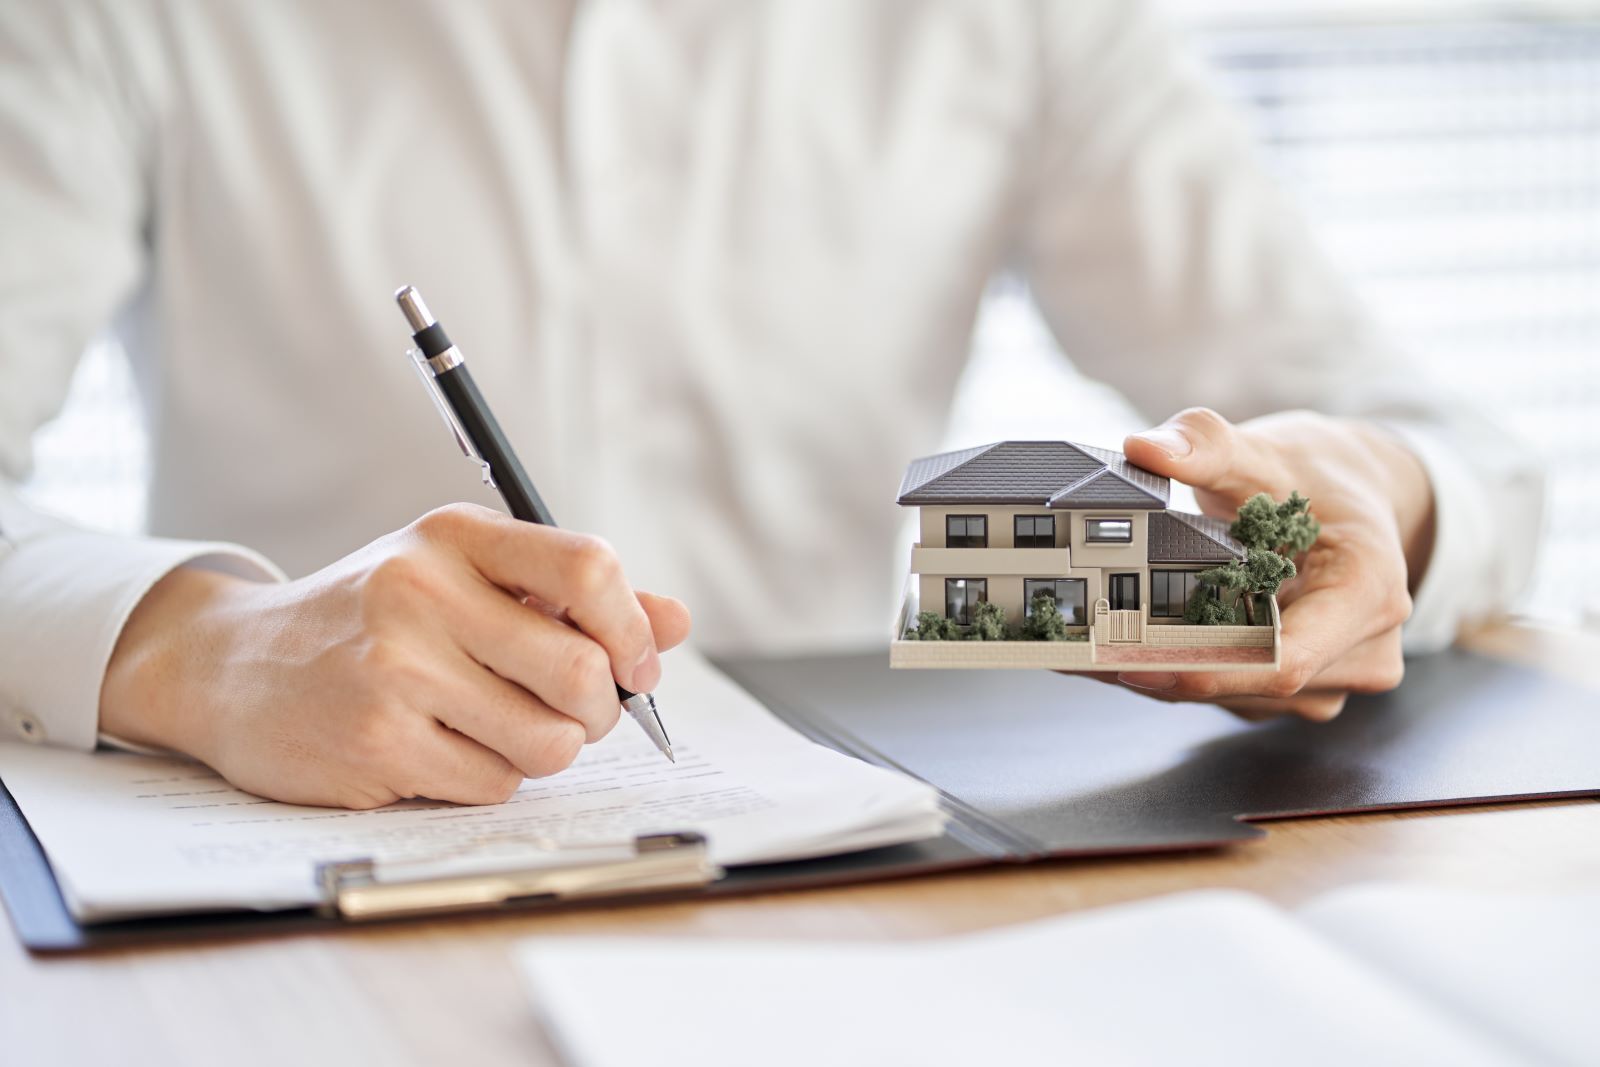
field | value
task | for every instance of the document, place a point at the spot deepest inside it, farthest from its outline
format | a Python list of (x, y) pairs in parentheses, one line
[(134, 835), (1373, 976)]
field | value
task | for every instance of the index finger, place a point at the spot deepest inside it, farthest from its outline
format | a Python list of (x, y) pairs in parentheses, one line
[(571, 573)]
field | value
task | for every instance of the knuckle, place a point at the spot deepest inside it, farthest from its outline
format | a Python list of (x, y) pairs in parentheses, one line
[(1206, 423), (1386, 676), (1325, 710), (1392, 675), (399, 576), (596, 727), (383, 666), (447, 521), (356, 798), (558, 745), (1289, 679), (585, 674), (1247, 712), (1395, 609), (1196, 687), (593, 566), (501, 785), (372, 736)]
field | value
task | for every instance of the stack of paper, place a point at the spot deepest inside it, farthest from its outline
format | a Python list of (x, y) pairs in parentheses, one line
[(1370, 976), (134, 835)]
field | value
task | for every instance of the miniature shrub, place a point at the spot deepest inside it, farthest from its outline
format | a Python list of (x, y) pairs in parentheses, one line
[(988, 623), (1044, 621), (1206, 609), (932, 626)]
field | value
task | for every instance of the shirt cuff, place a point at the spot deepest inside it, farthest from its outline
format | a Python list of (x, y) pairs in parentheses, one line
[(1455, 586), (64, 599)]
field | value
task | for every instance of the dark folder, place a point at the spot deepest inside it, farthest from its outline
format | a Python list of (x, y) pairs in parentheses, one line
[(1037, 765)]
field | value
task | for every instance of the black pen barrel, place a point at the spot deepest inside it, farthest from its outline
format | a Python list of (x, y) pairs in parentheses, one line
[(483, 432), (516, 488)]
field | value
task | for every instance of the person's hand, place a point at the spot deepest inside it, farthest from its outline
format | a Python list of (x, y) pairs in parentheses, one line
[(1342, 614), (447, 660)]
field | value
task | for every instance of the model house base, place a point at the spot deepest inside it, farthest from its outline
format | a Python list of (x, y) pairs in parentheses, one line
[(1169, 648), (1007, 524)]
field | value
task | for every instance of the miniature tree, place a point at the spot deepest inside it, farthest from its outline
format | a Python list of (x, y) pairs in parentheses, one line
[(1272, 534), (1261, 571), (988, 623), (1266, 572), (932, 626), (1044, 621), (1257, 525), (1287, 528)]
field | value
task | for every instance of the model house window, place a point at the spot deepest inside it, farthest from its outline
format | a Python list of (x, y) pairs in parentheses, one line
[(961, 595), (1036, 531), (1070, 593), (1170, 592), (1108, 531), (1124, 592), (966, 531)]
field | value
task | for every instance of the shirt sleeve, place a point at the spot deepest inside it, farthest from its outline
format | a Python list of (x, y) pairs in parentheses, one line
[(1168, 264), (65, 594), (74, 134)]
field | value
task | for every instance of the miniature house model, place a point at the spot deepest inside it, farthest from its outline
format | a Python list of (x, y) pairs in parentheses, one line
[(1003, 523)]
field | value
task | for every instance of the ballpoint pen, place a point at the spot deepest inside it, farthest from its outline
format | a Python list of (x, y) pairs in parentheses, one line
[(444, 372)]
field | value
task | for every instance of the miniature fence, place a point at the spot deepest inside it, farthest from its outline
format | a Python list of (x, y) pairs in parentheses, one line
[(1123, 627), (1235, 636)]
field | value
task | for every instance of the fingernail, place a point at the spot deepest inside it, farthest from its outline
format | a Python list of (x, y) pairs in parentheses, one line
[(646, 672), (1155, 683), (1169, 440)]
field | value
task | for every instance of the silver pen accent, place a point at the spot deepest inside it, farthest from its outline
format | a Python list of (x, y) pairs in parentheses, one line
[(642, 706)]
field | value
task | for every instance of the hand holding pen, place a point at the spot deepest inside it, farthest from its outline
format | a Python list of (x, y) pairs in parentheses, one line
[(437, 661), (444, 371)]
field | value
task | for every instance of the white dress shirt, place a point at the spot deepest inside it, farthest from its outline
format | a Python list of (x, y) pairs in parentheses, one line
[(716, 262)]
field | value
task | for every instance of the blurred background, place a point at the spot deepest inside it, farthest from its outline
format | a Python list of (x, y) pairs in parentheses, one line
[(1448, 155)]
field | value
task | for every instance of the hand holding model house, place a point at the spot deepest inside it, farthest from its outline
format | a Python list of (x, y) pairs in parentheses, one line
[(1052, 554)]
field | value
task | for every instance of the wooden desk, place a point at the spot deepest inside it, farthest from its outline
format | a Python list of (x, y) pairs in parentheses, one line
[(445, 992)]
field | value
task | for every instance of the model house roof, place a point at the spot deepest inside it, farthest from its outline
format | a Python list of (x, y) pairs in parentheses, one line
[(1178, 537), (1052, 474)]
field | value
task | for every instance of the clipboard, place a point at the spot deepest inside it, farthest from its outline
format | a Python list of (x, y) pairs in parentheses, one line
[(1031, 766)]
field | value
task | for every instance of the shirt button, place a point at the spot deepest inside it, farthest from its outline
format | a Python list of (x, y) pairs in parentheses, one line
[(27, 727)]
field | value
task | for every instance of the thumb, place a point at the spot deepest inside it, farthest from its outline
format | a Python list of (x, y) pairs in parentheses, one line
[(1201, 448), (669, 618)]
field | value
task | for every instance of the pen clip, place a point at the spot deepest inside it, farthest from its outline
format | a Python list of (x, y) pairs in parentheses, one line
[(453, 424)]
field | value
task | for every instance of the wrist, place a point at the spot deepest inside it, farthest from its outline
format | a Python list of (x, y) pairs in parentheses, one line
[(165, 661)]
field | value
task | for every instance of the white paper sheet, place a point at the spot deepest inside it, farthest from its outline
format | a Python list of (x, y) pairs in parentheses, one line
[(1525, 967), (130, 834), (1201, 978)]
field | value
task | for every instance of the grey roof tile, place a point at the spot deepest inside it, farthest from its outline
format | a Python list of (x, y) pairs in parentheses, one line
[(1152, 483), (1179, 537), (1040, 473), (1106, 489), (924, 470)]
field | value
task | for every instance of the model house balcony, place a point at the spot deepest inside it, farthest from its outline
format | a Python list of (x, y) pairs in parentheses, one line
[(1029, 562)]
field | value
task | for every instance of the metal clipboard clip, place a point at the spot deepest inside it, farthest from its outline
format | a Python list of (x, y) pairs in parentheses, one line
[(493, 871), (420, 363)]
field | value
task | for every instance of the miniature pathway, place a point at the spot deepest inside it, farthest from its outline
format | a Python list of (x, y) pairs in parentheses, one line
[(1116, 655)]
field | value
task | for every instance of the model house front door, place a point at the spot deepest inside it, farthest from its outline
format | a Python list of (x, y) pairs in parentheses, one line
[(1124, 592)]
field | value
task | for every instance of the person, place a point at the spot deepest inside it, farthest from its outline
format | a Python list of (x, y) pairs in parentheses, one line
[(717, 264)]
